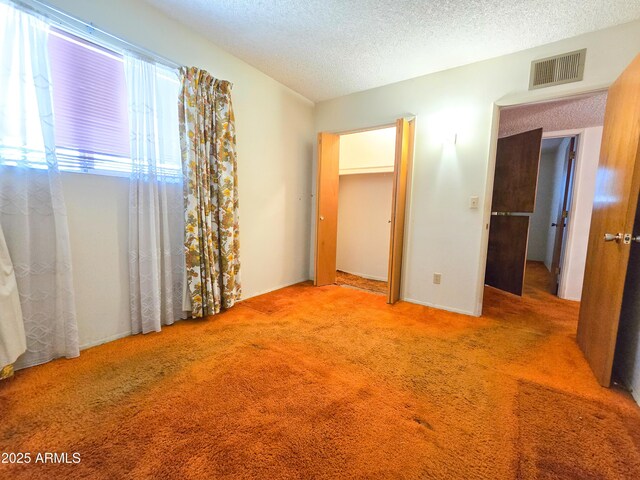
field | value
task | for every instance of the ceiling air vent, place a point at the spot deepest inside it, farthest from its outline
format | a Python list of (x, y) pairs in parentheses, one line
[(565, 68)]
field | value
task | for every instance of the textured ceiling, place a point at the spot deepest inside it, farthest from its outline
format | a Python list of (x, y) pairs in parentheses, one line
[(327, 48), (580, 112)]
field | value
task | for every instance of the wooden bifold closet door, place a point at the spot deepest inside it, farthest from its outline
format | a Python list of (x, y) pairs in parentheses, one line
[(405, 130), (327, 208)]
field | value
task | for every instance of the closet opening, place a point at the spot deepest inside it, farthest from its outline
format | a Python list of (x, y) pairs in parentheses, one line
[(365, 190), (361, 200)]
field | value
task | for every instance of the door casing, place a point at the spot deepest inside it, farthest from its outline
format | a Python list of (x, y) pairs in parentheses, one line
[(562, 219)]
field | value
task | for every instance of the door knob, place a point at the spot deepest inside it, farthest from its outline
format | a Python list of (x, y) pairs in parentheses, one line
[(554, 224), (321, 217), (610, 237)]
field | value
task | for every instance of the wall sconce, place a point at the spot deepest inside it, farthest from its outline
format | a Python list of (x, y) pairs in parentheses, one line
[(450, 138), (446, 125)]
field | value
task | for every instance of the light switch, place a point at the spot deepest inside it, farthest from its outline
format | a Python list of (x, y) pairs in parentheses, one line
[(473, 201), (436, 278)]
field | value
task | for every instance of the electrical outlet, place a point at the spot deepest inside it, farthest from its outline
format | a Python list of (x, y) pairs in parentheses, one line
[(436, 278), (474, 201)]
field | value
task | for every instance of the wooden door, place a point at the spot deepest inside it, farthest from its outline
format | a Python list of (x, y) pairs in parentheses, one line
[(561, 219), (614, 208), (327, 208), (405, 131), (508, 236), (514, 198)]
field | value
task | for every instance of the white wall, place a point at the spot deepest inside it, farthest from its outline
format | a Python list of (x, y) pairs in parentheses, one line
[(364, 212), (443, 233), (588, 155), (370, 151), (541, 219), (97, 210), (275, 140)]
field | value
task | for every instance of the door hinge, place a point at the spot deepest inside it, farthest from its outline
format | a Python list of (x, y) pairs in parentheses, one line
[(557, 270), (572, 155), (565, 214)]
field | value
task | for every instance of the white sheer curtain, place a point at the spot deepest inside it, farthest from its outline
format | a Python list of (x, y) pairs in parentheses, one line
[(156, 220), (13, 341), (32, 209)]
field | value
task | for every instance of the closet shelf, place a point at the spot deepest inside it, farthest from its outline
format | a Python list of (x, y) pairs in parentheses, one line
[(361, 170)]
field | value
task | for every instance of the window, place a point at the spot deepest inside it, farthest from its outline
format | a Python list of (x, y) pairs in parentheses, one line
[(90, 109), (89, 104)]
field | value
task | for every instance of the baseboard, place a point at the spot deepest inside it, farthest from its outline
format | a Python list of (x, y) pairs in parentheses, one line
[(117, 336), (569, 298), (441, 307), (269, 290), (111, 338)]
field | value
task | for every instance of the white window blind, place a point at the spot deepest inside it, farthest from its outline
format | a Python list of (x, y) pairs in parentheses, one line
[(90, 105)]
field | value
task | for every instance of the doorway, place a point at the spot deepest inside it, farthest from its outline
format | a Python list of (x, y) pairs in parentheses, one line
[(549, 222), (362, 183), (612, 230), (546, 166), (364, 209)]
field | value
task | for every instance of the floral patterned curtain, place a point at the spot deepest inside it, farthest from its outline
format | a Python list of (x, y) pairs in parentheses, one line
[(208, 144)]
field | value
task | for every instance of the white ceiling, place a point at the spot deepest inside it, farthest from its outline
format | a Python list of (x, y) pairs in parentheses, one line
[(328, 48)]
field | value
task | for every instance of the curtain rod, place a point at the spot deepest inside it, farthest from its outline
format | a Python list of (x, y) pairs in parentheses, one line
[(89, 30)]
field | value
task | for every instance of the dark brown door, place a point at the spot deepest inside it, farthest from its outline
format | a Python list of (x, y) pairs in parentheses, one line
[(562, 216), (614, 209), (514, 199), (327, 208)]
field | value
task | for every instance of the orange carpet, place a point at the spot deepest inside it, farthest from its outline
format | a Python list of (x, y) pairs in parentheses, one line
[(330, 382), (355, 281)]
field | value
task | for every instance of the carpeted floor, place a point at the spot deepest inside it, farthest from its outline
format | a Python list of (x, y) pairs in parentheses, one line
[(355, 281), (537, 281), (331, 382)]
